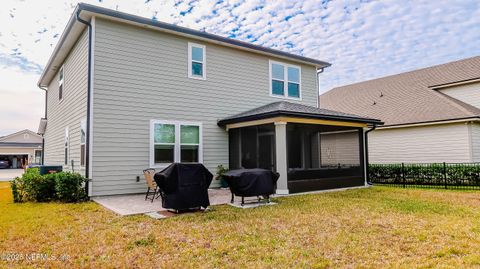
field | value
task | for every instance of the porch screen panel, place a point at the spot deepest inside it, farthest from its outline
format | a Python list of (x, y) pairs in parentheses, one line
[(252, 147), (234, 149), (249, 147), (340, 149), (321, 151)]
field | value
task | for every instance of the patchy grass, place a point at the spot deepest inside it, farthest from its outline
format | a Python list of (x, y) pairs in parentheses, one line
[(364, 228)]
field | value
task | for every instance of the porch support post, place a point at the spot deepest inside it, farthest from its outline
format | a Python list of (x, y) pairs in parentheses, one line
[(364, 154), (281, 156)]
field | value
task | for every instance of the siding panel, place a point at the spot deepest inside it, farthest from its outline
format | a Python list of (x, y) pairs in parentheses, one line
[(469, 93), (141, 75), (70, 110), (475, 128), (434, 143)]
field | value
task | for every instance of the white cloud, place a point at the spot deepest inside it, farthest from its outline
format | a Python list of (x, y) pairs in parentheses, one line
[(362, 39), (21, 104)]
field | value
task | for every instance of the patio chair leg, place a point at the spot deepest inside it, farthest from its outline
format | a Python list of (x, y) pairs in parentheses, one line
[(159, 193), (233, 197), (243, 200), (148, 191), (154, 194)]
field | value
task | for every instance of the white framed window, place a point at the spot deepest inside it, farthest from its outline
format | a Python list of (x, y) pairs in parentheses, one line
[(66, 146), (197, 61), (83, 131), (285, 80), (38, 156), (60, 83), (175, 141)]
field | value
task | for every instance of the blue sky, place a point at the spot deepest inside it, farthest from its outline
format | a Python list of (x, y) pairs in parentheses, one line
[(362, 39)]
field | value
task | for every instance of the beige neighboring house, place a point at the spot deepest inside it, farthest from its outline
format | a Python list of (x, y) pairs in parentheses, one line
[(20, 147), (430, 114)]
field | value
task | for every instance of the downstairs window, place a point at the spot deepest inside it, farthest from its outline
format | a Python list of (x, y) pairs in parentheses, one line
[(172, 141)]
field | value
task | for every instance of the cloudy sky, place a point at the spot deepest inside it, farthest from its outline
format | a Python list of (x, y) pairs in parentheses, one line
[(362, 39)]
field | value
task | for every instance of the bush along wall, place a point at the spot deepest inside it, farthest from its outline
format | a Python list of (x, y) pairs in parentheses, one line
[(447, 175), (63, 186)]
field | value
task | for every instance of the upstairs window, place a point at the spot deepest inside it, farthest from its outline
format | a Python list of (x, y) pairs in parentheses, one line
[(278, 79), (196, 61), (285, 80), (60, 84), (173, 141)]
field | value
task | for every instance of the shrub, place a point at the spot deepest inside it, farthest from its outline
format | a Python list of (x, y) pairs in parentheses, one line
[(69, 187), (37, 187), (459, 174), (18, 190), (62, 186)]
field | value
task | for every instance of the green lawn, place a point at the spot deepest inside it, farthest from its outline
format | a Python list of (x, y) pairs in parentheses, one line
[(365, 228)]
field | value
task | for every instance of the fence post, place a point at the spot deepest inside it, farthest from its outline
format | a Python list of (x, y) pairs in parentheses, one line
[(403, 174), (445, 174)]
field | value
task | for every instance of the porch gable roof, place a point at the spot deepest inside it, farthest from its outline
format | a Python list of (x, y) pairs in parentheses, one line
[(288, 109)]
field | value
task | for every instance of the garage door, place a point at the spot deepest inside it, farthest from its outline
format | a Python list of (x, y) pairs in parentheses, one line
[(14, 160)]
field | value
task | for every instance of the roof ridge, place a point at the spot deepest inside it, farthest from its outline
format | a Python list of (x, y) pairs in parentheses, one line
[(15, 133), (404, 73), (134, 19), (406, 97), (467, 108)]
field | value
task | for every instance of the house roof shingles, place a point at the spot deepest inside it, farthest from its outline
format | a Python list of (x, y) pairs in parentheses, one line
[(283, 108), (91, 10), (407, 98)]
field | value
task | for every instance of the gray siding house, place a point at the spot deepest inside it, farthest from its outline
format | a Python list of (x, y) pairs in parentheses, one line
[(125, 93)]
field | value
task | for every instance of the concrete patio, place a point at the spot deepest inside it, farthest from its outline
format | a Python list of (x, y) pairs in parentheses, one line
[(135, 203)]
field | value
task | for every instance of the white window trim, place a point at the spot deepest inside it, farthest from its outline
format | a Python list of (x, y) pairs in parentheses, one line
[(204, 63), (177, 147), (285, 80), (35, 155), (66, 145), (61, 82), (83, 123)]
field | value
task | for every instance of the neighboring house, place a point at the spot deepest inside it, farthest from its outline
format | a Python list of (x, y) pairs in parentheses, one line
[(134, 93), (430, 114), (21, 148)]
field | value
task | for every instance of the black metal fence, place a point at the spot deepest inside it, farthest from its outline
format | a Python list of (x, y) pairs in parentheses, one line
[(434, 175)]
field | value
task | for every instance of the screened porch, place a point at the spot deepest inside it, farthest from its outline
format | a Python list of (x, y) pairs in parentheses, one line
[(312, 149), (318, 156)]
